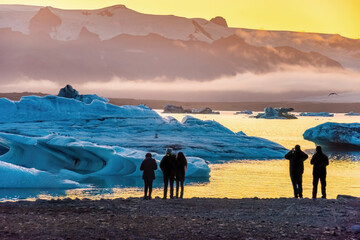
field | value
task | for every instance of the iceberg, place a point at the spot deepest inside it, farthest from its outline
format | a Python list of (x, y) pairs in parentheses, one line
[(14, 176), (316, 114), (69, 92), (276, 113), (352, 114), (70, 140), (76, 159), (179, 109), (337, 135), (135, 127), (249, 112)]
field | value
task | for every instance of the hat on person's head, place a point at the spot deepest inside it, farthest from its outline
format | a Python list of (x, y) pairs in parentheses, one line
[(318, 148), (168, 151), (148, 155)]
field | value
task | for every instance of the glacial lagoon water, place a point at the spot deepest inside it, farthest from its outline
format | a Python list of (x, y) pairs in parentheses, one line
[(238, 178)]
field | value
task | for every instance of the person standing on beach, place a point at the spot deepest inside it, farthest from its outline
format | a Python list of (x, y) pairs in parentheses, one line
[(148, 165), (168, 167), (320, 161), (297, 158), (181, 167)]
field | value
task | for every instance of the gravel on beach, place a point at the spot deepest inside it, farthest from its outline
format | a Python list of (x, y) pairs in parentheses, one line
[(195, 218)]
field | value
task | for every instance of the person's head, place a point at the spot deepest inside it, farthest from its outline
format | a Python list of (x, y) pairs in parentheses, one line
[(297, 147), (180, 155), (148, 155), (168, 151), (318, 149)]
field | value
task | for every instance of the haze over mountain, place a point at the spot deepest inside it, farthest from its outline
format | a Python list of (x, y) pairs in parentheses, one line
[(117, 50)]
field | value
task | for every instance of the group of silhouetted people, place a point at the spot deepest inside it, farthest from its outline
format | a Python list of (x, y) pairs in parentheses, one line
[(173, 168), (319, 160)]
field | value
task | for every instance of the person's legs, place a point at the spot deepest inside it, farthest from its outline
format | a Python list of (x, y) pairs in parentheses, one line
[(323, 185), (182, 188), (166, 179), (146, 186), (294, 183), (315, 185), (150, 188), (177, 188), (171, 187), (299, 182)]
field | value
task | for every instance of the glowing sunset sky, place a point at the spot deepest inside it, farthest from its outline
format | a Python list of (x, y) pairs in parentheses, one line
[(322, 16)]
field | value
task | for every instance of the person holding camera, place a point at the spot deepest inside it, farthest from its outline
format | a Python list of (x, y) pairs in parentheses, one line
[(297, 158)]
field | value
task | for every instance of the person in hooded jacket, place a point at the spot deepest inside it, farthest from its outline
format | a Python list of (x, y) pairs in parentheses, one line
[(181, 167), (168, 167), (297, 158), (148, 166), (320, 161)]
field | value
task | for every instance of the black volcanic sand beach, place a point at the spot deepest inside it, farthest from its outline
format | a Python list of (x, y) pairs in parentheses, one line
[(195, 218)]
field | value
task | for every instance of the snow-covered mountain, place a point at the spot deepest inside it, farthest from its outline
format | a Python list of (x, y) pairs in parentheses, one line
[(110, 22), (57, 44)]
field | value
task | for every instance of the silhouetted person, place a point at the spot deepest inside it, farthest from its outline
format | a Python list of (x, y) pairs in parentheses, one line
[(297, 158), (148, 165), (181, 167), (168, 167), (320, 161)]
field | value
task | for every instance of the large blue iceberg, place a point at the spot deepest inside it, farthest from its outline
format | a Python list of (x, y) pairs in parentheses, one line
[(70, 138), (335, 135)]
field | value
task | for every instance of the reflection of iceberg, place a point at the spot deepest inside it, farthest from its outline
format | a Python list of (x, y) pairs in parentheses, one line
[(316, 114), (335, 135)]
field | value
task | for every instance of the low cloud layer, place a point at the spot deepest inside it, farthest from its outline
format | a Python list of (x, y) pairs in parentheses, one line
[(273, 86)]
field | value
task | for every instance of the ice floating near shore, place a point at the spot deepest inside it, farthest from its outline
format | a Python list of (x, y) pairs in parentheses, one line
[(135, 127), (248, 112), (54, 153), (72, 139), (335, 134), (352, 114), (316, 114), (276, 113), (53, 108), (14, 176)]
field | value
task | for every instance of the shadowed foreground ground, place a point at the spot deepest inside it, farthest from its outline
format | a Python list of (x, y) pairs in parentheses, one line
[(181, 219)]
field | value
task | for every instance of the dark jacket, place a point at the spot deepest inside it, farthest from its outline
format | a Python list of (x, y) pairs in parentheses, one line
[(320, 161), (168, 165), (297, 159), (148, 166), (181, 165)]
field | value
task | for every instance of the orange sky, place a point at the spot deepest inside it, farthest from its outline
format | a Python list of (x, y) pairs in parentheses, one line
[(323, 16)]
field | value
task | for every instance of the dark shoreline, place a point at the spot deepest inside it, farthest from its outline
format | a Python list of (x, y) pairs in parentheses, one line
[(195, 218)]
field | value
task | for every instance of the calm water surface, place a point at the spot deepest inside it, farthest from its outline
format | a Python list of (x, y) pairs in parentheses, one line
[(241, 178)]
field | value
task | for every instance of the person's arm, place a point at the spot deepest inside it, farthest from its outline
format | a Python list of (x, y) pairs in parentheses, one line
[(326, 160), (289, 155), (154, 164), (313, 160), (186, 166), (162, 164), (142, 166), (305, 156)]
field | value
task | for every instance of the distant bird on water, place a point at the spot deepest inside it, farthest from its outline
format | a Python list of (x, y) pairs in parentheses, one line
[(333, 93)]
